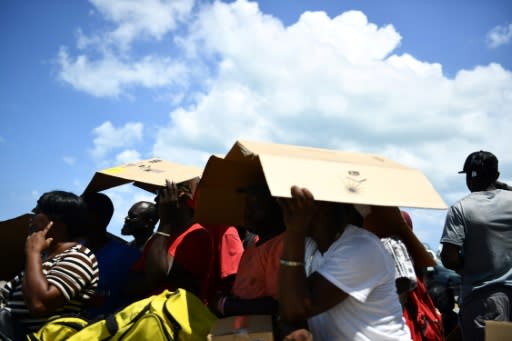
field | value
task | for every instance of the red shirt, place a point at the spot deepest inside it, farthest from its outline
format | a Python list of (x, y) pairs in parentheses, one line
[(228, 251), (193, 251)]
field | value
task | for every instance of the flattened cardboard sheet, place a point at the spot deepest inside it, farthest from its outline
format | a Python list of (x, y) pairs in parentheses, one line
[(147, 174), (13, 233), (330, 175)]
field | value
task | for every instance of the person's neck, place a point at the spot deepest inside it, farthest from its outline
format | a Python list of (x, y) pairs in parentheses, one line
[(98, 242), (324, 238), (141, 238), (59, 248)]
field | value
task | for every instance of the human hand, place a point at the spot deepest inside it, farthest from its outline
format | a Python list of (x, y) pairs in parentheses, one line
[(298, 211), (37, 242), (299, 335), (168, 201)]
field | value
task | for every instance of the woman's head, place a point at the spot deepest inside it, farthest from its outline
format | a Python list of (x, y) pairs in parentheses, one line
[(62, 207)]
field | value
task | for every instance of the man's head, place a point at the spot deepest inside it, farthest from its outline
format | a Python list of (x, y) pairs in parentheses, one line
[(481, 169), (141, 219), (100, 210), (65, 209)]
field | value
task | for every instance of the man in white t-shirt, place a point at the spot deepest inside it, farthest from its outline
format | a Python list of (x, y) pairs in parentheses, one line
[(335, 274)]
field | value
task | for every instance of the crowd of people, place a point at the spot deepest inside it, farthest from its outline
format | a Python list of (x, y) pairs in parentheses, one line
[(315, 266)]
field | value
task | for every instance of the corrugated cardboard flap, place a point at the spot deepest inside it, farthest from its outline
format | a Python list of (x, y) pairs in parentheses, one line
[(330, 175), (147, 174), (338, 176), (498, 330), (250, 327), (13, 233)]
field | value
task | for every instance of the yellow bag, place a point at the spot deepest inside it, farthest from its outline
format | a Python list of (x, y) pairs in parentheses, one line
[(58, 328), (177, 315)]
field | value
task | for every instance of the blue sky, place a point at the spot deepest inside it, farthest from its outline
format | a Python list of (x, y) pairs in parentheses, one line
[(88, 85)]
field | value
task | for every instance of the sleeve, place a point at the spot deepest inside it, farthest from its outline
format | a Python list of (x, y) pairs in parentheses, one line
[(7, 289), (72, 273), (230, 252), (453, 232), (404, 267), (358, 267)]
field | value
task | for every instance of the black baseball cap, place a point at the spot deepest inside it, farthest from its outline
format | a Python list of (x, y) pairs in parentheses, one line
[(481, 162)]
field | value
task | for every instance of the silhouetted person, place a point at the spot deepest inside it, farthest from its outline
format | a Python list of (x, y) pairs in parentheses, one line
[(115, 257)]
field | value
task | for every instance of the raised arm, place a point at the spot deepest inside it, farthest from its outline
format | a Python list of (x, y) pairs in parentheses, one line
[(301, 297), (158, 261), (41, 297)]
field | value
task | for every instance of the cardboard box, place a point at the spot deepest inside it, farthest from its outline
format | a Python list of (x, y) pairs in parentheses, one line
[(147, 174), (330, 175), (246, 328), (498, 330), (13, 233)]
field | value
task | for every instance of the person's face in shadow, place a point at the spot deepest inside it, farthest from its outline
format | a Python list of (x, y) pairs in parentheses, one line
[(260, 210)]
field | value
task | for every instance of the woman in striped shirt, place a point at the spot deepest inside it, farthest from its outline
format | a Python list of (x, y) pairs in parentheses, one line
[(60, 274)]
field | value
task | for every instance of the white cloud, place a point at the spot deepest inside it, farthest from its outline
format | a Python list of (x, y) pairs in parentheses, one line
[(135, 19), (299, 84), (69, 160), (499, 35), (108, 138), (127, 156), (326, 82), (302, 85), (104, 68), (111, 76)]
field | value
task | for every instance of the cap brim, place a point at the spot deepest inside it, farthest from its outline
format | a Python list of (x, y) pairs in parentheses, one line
[(462, 171)]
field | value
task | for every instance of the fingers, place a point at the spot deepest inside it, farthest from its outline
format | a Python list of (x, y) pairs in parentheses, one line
[(302, 196), (47, 227), (170, 190)]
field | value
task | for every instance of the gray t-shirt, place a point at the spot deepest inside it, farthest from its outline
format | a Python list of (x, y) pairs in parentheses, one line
[(481, 224)]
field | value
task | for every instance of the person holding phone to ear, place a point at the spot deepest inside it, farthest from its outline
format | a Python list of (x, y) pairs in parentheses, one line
[(60, 274)]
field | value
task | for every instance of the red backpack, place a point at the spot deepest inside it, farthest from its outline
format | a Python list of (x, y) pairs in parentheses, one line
[(423, 319)]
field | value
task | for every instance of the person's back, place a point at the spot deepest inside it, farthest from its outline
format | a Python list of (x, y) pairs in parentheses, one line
[(115, 257), (486, 217), (477, 243)]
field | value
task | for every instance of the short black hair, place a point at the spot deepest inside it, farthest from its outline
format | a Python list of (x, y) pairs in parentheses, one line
[(101, 205), (65, 207)]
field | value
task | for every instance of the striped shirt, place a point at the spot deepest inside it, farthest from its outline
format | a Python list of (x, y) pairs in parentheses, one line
[(74, 272)]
